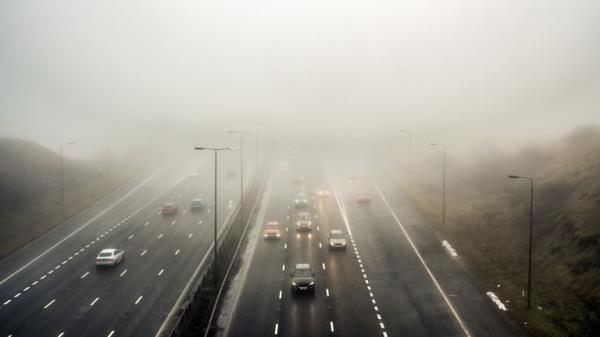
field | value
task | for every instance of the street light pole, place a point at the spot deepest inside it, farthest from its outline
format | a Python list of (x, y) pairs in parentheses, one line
[(531, 182), (241, 134), (443, 183), (62, 180), (409, 156), (215, 250)]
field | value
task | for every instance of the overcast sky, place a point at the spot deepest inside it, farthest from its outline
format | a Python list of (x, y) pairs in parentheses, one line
[(468, 71)]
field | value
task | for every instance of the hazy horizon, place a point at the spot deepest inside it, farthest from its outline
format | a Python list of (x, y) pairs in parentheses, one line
[(470, 74)]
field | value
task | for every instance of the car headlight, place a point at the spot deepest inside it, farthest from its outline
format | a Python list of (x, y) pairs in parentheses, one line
[(278, 235), (311, 284), (294, 283)]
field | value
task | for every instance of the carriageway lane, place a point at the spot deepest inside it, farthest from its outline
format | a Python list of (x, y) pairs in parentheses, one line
[(76, 300)]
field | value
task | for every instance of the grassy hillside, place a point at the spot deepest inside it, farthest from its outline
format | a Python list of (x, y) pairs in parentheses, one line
[(30, 187), (487, 222)]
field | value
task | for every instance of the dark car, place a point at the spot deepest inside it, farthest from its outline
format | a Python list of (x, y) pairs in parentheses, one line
[(198, 204), (303, 278), (169, 209)]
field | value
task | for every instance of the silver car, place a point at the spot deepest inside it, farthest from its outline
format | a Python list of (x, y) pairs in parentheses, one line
[(337, 239), (303, 222), (110, 257)]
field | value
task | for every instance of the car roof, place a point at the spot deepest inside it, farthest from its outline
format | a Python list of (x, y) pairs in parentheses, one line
[(336, 231), (272, 223), (198, 199), (108, 250), (302, 266), (303, 214), (170, 204)]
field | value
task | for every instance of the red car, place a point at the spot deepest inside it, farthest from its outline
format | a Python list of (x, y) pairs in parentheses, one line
[(363, 198), (169, 209)]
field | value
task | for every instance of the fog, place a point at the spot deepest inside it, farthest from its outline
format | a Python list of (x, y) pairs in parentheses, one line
[(469, 73)]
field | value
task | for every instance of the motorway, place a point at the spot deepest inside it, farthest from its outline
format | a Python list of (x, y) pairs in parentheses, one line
[(394, 279), (51, 286)]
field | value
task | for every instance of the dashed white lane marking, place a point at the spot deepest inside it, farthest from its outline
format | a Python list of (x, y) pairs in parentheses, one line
[(318, 228), (381, 325), (190, 235), (327, 292), (8, 301), (160, 272), (59, 335), (130, 236), (285, 246), (94, 301), (379, 317), (283, 267), (320, 245), (35, 282), (177, 251), (43, 277), (65, 261), (49, 304), (111, 333), (86, 274), (276, 328), (50, 272), (144, 252), (26, 288), (280, 293), (160, 235), (17, 295), (123, 273), (70, 257), (147, 223), (76, 253), (323, 265), (173, 223), (200, 222), (184, 211), (385, 334), (331, 326), (138, 300)]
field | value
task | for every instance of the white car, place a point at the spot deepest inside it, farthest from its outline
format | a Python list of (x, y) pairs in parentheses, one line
[(110, 257), (337, 239), (303, 222)]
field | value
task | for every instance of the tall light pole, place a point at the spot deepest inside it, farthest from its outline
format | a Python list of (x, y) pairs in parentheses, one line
[(443, 183), (255, 145), (62, 179), (215, 263), (532, 183), (241, 134), (409, 155)]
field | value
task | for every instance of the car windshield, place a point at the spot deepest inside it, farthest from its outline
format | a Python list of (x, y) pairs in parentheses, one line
[(105, 255), (272, 226), (302, 273), (337, 235)]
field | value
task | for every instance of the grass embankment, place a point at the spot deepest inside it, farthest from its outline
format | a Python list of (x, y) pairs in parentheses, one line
[(30, 190), (487, 223)]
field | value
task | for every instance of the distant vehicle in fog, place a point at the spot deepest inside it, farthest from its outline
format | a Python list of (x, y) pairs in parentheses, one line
[(363, 198), (272, 230), (169, 209), (300, 201), (298, 180), (303, 222), (198, 204), (323, 193), (110, 257)]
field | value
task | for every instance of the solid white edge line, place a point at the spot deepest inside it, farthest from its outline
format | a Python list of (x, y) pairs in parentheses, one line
[(433, 278)]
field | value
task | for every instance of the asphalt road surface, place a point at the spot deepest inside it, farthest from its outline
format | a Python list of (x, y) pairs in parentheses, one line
[(394, 279), (51, 287)]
